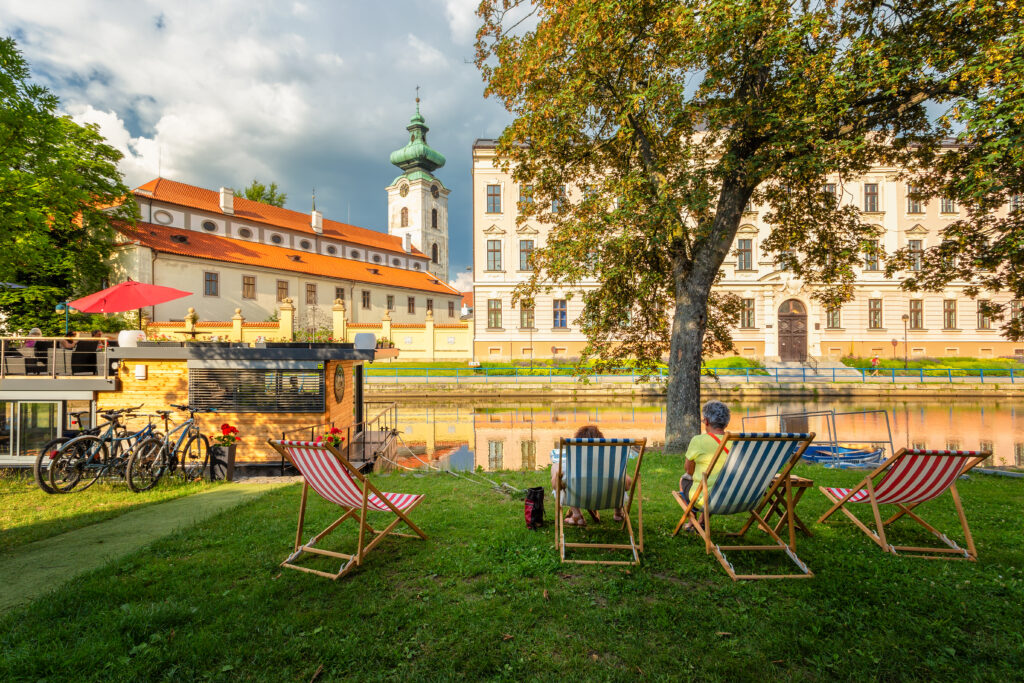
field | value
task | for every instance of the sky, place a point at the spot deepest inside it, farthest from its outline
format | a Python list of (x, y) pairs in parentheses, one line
[(302, 93)]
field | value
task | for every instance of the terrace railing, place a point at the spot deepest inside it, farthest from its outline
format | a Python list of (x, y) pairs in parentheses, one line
[(53, 357), (364, 441)]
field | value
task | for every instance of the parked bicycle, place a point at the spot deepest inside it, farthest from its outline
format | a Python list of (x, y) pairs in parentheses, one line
[(86, 458), (49, 451), (183, 448)]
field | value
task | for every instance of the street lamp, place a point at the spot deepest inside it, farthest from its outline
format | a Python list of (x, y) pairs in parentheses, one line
[(66, 309), (905, 318)]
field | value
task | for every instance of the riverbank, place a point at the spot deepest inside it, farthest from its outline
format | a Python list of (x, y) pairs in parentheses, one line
[(726, 390)]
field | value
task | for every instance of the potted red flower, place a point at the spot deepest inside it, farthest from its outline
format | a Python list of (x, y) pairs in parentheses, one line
[(222, 453), (332, 437)]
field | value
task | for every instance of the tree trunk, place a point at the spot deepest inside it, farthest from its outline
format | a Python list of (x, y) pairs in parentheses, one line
[(682, 420)]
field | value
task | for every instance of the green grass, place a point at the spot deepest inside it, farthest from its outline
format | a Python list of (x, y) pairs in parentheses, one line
[(27, 514), (486, 599), (962, 366), (539, 367), (736, 363)]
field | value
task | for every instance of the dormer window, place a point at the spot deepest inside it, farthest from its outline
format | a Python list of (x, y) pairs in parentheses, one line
[(354, 254), (294, 257), (180, 239), (396, 262), (415, 266)]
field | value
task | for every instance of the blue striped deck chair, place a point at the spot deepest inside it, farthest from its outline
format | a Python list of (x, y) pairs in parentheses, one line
[(756, 464), (593, 472)]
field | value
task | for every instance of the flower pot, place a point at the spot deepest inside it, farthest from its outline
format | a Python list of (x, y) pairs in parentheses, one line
[(177, 344), (222, 463)]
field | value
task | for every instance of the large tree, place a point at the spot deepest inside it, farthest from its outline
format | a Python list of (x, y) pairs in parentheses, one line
[(665, 118), (267, 194), (59, 191)]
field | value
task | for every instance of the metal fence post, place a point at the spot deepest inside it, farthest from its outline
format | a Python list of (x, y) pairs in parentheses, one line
[(949, 375), (776, 375), (1011, 375), (803, 375), (981, 374), (894, 375), (921, 370)]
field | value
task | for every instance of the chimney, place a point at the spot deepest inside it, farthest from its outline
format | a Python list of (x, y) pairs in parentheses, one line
[(407, 242), (317, 222), (227, 200)]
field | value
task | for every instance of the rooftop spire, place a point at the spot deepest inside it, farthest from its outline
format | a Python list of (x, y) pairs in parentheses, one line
[(417, 155)]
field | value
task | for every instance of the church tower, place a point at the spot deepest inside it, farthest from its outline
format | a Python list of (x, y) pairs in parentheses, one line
[(418, 201)]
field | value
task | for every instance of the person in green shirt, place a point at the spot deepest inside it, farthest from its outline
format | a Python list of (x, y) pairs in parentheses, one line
[(715, 417)]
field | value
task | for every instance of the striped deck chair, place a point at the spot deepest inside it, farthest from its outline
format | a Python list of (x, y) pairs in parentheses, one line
[(745, 482), (909, 478), (593, 472), (331, 475)]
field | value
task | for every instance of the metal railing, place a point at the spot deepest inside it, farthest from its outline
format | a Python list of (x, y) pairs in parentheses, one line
[(359, 437), (53, 357), (564, 374)]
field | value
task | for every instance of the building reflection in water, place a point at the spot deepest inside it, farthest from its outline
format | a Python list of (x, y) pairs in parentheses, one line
[(467, 435)]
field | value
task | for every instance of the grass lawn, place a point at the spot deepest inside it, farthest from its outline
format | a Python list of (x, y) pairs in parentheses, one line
[(27, 514), (540, 367), (962, 366), (486, 598)]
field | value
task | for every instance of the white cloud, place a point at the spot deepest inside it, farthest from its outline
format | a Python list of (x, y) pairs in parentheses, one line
[(462, 19), (463, 282)]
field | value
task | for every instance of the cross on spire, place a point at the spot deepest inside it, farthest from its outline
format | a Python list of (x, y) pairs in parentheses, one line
[(417, 99)]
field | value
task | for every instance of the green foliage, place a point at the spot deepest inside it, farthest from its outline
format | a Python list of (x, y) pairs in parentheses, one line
[(937, 367), (60, 189), (484, 598), (645, 128), (266, 194)]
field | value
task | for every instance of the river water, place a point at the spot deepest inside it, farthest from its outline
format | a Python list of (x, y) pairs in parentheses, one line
[(474, 433)]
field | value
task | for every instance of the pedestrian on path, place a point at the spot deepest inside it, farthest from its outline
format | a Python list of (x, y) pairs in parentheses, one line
[(874, 365)]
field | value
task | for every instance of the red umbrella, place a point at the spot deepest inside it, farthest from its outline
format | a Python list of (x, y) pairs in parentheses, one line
[(127, 296)]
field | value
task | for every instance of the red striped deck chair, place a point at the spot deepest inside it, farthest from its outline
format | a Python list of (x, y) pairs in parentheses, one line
[(331, 475), (907, 479)]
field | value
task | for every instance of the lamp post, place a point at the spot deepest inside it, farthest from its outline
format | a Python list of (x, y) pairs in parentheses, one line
[(905, 318), (64, 308)]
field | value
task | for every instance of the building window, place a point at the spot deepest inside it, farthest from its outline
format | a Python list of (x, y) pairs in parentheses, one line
[(834, 319), (948, 206), (430, 305), (560, 310), (391, 302), (410, 305), (1016, 311), (339, 293), (494, 314), (525, 197), (556, 203), (246, 390), (526, 317), (914, 205), (984, 322), (404, 218), (871, 197), (494, 199), (528, 449), (745, 255), (211, 284), (451, 309), (916, 254), (433, 218), (276, 239), (305, 244), (493, 254), (282, 290), (433, 253), (949, 314), (311, 294), (874, 314), (830, 195), (747, 314), (1017, 202), (495, 455), (332, 250), (525, 249), (248, 286), (366, 299), (871, 257), (916, 314)]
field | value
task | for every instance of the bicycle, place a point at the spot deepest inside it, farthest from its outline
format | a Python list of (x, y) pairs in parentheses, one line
[(155, 456), (91, 456), (49, 451)]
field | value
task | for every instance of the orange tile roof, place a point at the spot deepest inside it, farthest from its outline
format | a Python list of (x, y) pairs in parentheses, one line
[(217, 248), (467, 299), (181, 194)]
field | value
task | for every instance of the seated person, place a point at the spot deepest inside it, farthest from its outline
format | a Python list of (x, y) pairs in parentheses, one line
[(715, 417), (575, 517)]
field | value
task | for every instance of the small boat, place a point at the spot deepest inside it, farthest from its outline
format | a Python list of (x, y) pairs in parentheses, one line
[(838, 455)]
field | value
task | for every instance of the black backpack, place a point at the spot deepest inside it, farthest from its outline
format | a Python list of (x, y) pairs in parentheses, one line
[(534, 508)]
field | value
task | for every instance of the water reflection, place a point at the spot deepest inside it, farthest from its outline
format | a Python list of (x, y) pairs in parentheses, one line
[(468, 435)]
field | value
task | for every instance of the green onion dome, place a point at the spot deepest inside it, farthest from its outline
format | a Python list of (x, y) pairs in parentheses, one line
[(417, 155)]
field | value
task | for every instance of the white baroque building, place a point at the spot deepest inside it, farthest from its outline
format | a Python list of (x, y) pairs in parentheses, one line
[(780, 320)]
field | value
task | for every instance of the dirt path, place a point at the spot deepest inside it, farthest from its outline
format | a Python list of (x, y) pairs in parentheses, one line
[(33, 569)]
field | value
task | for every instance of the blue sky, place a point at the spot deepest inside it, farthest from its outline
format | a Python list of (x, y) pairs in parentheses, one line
[(307, 94)]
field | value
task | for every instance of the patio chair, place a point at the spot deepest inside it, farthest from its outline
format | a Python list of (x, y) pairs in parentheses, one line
[(756, 465), (907, 479), (331, 475), (595, 479)]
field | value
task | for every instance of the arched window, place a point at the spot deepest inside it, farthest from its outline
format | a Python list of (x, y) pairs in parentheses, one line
[(433, 218), (433, 253), (405, 218)]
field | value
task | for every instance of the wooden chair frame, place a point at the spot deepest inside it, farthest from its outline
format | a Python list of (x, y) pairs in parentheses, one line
[(951, 552), (701, 519), (357, 514), (636, 542)]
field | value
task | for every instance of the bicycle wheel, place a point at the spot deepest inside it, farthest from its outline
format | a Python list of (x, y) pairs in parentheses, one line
[(46, 455), (146, 465), (81, 459), (194, 457)]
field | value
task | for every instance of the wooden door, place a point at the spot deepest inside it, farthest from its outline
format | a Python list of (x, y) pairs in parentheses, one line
[(792, 331)]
